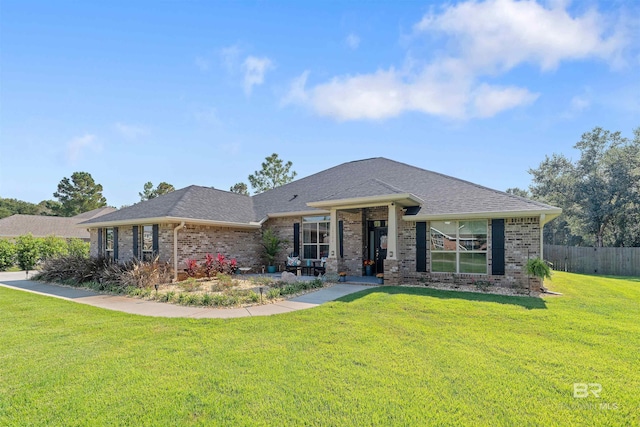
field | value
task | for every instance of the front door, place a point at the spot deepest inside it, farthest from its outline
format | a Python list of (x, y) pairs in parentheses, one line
[(378, 244)]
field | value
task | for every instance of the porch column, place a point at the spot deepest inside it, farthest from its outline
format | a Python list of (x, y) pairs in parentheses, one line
[(333, 234), (392, 233)]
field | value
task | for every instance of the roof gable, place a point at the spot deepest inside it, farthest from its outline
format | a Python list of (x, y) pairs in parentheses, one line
[(193, 202)]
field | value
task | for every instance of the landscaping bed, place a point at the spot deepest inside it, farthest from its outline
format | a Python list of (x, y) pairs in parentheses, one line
[(216, 287)]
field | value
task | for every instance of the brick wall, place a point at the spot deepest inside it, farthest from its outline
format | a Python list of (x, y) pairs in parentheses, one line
[(93, 242), (522, 241), (353, 232), (196, 241)]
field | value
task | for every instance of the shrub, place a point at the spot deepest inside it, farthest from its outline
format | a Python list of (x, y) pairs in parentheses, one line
[(78, 248), (206, 299), (209, 265), (538, 268), (7, 254), (273, 293), (27, 251), (192, 267), (168, 297), (108, 275), (253, 297), (53, 247), (143, 274)]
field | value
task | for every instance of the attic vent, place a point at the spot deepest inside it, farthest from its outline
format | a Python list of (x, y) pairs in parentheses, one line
[(294, 196)]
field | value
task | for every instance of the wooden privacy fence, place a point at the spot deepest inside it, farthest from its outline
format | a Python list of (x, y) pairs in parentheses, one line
[(608, 261)]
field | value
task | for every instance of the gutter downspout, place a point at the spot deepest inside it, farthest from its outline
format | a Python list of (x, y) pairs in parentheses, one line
[(542, 223), (175, 251)]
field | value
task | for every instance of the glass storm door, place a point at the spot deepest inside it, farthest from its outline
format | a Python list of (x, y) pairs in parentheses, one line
[(378, 244)]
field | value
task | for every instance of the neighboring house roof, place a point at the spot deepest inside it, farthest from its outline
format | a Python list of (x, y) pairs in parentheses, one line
[(429, 194), (42, 226), (200, 204)]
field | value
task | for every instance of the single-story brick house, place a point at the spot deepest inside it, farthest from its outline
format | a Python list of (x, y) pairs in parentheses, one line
[(414, 224)]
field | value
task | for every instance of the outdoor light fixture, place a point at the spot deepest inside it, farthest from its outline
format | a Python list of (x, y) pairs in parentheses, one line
[(333, 253), (27, 272), (260, 294), (156, 286), (391, 253)]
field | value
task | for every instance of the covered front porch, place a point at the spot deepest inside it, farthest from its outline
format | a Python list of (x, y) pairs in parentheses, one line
[(363, 235)]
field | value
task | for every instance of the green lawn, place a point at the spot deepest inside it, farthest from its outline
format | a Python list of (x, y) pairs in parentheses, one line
[(387, 356)]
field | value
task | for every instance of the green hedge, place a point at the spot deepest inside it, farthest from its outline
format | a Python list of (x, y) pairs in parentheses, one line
[(26, 251)]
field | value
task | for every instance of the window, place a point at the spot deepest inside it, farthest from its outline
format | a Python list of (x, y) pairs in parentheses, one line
[(108, 243), (146, 243), (459, 246), (315, 237)]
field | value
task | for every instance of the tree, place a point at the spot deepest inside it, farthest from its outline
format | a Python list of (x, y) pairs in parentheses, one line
[(78, 195), (150, 193), (518, 192), (240, 188), (10, 207), (274, 173), (599, 194)]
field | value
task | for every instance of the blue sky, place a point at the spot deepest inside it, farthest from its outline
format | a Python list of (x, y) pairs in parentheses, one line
[(201, 92)]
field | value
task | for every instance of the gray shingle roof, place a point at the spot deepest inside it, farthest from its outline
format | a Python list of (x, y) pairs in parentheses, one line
[(440, 193), (193, 202), (42, 226)]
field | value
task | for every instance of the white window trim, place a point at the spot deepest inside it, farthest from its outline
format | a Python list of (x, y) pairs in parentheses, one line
[(141, 242), (109, 253), (458, 251), (317, 223)]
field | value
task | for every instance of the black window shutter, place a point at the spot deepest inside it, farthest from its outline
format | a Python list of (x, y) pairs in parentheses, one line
[(100, 248), (341, 236), (115, 243), (421, 246), (156, 244), (296, 238), (497, 247), (135, 241)]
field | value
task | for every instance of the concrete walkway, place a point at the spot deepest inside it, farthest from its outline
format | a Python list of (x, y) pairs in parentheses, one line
[(152, 308)]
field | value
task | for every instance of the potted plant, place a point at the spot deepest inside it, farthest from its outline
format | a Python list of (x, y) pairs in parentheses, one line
[(380, 278), (368, 266), (342, 276), (272, 245), (538, 268)]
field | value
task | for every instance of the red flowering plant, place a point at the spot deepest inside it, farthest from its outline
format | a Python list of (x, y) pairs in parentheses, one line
[(367, 262), (192, 267), (226, 266), (209, 265)]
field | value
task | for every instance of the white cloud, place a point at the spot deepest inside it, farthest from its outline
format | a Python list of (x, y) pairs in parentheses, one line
[(482, 39), (580, 103), (490, 100), (352, 41), (77, 145), (501, 34), (230, 57), (254, 70), (443, 90), (131, 131)]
